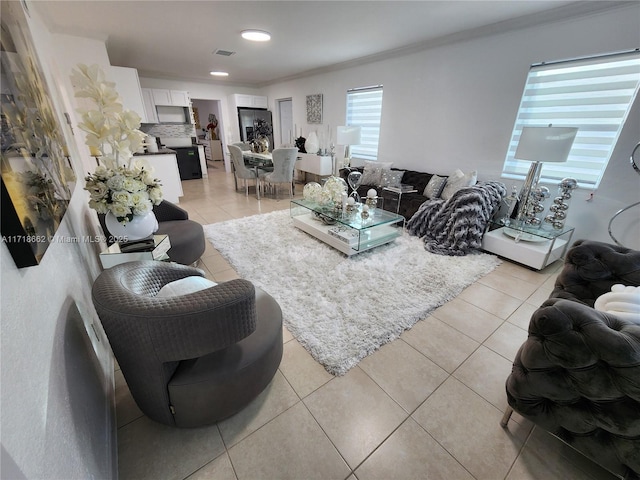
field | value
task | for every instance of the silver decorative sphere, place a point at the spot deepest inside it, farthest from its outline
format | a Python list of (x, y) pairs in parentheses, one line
[(566, 195), (561, 215), (568, 183), (558, 225)]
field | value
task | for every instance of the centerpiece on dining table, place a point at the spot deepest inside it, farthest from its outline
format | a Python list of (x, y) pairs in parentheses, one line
[(261, 131)]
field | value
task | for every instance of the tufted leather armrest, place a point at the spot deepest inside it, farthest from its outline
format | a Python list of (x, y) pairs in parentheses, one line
[(578, 373), (577, 376), (592, 268)]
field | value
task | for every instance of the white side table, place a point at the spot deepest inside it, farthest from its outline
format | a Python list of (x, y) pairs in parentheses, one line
[(533, 247), (113, 256)]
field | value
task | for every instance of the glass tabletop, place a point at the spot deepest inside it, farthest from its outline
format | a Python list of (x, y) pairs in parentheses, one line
[(353, 219), (521, 231)]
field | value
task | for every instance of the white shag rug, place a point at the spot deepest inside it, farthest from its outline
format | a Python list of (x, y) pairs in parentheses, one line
[(341, 308)]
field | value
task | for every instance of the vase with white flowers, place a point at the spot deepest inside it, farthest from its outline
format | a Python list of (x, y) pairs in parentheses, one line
[(121, 188)]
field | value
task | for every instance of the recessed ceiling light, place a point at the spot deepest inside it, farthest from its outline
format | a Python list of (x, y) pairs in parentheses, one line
[(256, 35), (219, 74)]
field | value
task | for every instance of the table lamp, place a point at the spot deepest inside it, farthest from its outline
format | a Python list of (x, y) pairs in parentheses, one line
[(348, 136), (539, 145)]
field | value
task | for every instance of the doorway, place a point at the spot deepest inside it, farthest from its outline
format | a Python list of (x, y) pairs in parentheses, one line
[(206, 112), (285, 116)]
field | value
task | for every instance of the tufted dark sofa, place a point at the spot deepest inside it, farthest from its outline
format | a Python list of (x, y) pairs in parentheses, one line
[(578, 374), (410, 202)]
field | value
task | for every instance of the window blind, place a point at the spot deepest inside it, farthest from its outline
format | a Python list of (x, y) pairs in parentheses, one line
[(364, 109), (594, 94)]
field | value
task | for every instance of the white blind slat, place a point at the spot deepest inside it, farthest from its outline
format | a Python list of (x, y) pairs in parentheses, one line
[(593, 94), (364, 109)]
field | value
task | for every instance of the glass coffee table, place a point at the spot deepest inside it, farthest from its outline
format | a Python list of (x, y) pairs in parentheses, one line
[(348, 232)]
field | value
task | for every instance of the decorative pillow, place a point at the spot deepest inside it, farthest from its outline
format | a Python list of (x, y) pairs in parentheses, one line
[(184, 286), (622, 300), (372, 174), (391, 178), (434, 187), (458, 180)]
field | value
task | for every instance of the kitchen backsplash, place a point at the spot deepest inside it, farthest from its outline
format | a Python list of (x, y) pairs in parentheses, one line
[(164, 131)]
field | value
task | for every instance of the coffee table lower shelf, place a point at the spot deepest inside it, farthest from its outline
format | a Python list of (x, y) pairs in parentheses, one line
[(369, 238)]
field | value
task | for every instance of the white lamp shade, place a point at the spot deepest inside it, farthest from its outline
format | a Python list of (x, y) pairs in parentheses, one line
[(348, 136), (545, 144)]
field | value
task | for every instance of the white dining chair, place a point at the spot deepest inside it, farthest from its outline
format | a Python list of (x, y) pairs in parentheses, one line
[(284, 160), (240, 170)]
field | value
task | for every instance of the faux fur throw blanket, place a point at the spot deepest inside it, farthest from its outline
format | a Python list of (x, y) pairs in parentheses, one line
[(456, 226)]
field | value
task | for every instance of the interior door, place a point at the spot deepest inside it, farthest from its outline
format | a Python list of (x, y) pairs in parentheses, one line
[(285, 116)]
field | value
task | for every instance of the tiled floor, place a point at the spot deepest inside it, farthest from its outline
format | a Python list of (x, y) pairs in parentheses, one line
[(427, 405)]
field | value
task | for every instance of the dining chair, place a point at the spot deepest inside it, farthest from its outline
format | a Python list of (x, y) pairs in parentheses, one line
[(284, 160), (240, 170), (245, 147)]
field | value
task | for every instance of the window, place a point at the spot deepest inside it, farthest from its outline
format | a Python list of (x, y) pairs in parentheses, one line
[(364, 109), (594, 94)]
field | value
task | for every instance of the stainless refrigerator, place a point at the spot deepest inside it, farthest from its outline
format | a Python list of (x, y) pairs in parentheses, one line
[(248, 118)]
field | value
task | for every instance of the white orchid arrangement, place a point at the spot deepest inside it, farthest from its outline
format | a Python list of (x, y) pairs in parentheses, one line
[(119, 185)]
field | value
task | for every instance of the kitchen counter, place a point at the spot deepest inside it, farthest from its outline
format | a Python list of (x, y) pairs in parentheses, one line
[(160, 151)]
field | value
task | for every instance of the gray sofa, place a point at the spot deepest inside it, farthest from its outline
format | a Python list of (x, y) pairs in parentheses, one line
[(578, 374)]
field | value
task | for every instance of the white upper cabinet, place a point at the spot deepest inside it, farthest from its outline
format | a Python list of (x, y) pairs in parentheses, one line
[(175, 98), (128, 87), (180, 98), (149, 106), (250, 101)]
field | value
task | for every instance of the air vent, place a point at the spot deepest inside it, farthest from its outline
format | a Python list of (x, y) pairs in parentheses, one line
[(224, 53)]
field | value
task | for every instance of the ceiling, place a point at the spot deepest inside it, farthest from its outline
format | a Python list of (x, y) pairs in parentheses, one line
[(177, 39)]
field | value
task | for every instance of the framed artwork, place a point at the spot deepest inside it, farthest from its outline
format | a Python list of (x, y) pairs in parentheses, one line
[(36, 176), (314, 108)]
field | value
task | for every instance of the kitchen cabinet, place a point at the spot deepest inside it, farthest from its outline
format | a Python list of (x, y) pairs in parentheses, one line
[(149, 106), (175, 98), (250, 101), (128, 87)]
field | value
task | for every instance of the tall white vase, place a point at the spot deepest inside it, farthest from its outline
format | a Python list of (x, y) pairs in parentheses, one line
[(140, 226), (312, 144)]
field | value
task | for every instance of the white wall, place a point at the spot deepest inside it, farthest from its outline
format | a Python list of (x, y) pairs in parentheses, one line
[(454, 106), (57, 399)]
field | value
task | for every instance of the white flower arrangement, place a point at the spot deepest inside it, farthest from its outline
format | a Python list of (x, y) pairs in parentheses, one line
[(119, 185), (124, 192)]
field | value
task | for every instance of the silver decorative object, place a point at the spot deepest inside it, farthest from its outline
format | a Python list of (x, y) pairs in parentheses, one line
[(534, 205), (561, 203), (354, 179)]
